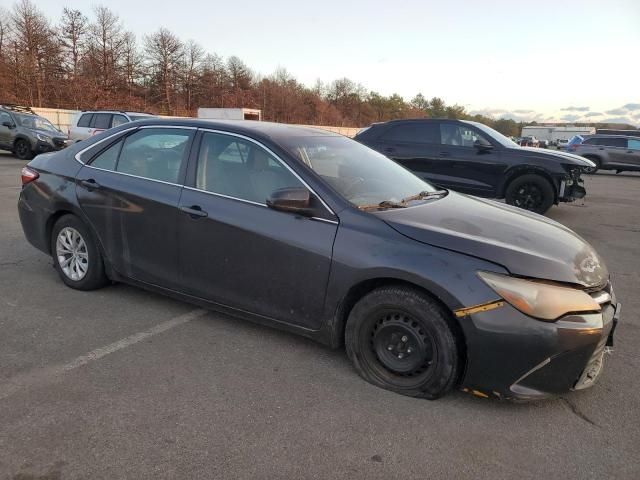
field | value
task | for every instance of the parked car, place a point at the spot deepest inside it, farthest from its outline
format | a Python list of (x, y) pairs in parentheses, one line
[(611, 152), (26, 134), (473, 158), (88, 123), (561, 143), (574, 142), (529, 141), (314, 233)]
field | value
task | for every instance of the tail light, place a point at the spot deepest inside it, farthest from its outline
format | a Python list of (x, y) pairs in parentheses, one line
[(28, 175)]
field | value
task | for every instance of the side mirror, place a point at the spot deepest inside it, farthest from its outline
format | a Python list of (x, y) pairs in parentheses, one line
[(7, 124), (294, 200), (482, 145)]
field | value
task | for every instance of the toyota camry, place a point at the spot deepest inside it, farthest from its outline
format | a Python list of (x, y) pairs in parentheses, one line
[(311, 232)]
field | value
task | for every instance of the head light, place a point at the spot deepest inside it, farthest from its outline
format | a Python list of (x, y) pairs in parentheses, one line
[(42, 137), (544, 301)]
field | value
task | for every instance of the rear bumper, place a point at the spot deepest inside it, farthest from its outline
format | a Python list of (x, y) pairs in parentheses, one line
[(513, 356)]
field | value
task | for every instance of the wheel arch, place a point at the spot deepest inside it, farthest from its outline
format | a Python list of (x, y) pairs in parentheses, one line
[(518, 171), (22, 136), (362, 288)]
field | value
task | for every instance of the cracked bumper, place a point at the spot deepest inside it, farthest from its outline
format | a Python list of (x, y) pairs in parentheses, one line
[(517, 357)]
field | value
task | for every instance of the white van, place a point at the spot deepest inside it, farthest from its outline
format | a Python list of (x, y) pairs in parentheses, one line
[(89, 123)]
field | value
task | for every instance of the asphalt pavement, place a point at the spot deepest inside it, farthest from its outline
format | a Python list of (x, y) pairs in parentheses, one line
[(121, 383)]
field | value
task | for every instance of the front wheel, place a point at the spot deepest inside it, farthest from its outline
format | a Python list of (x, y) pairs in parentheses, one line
[(76, 256), (400, 339), (531, 192)]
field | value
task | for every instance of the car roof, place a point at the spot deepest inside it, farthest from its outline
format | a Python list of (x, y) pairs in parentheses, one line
[(273, 131), (117, 111)]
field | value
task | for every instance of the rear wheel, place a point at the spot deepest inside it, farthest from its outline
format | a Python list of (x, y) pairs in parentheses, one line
[(76, 257), (22, 150), (532, 192), (400, 339)]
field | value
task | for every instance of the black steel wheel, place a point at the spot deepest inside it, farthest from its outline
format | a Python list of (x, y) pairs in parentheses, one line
[(22, 150), (531, 192), (402, 340)]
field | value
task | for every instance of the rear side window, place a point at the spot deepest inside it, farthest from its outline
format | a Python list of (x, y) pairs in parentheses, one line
[(101, 121), (85, 120), (156, 154), (415, 132)]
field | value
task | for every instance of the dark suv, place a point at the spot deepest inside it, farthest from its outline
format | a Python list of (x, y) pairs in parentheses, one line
[(472, 158), (26, 134)]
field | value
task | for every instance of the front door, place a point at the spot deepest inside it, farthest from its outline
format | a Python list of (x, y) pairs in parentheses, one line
[(236, 251), (6, 136), (130, 191)]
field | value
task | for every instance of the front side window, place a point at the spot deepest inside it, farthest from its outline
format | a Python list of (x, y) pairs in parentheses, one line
[(459, 135), (359, 174), (634, 144), (5, 117), (118, 120), (614, 142), (238, 168)]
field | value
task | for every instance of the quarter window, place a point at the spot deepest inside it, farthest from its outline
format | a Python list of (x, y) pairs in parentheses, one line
[(460, 136), (238, 168), (108, 158), (155, 153)]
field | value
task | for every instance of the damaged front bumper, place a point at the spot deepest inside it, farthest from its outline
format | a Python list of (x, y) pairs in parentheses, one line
[(571, 187), (520, 358)]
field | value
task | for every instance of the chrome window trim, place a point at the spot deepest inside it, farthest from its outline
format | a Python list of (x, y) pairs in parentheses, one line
[(135, 176), (77, 155), (244, 137)]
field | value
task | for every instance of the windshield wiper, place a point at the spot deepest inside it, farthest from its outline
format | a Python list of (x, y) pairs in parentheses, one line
[(403, 203), (423, 195), (383, 204)]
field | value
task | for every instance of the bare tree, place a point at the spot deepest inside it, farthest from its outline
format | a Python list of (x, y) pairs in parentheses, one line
[(105, 47), (73, 31), (192, 69), (164, 53)]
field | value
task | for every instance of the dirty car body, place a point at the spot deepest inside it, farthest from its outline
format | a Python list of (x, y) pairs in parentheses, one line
[(255, 255)]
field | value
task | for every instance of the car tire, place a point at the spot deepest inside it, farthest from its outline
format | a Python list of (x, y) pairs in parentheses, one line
[(401, 340), (22, 149), (531, 192), (595, 160), (76, 257)]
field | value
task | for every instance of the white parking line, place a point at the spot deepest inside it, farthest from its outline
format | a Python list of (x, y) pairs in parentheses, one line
[(45, 375)]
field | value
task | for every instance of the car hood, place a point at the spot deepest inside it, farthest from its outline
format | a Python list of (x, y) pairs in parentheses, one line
[(563, 157), (525, 243), (49, 133)]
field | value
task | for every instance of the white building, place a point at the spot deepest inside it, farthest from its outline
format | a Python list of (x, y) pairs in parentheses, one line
[(553, 133)]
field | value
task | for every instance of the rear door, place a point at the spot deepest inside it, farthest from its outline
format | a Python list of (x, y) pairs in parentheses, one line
[(617, 150), (414, 145), (236, 251), (130, 191)]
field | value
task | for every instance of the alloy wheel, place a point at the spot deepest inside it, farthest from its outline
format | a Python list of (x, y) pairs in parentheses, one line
[(72, 254), (529, 196)]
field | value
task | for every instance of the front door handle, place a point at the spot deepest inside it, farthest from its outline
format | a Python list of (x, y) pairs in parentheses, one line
[(90, 184), (194, 211)]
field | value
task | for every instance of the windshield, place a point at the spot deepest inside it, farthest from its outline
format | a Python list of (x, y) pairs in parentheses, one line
[(497, 136), (36, 123), (361, 175)]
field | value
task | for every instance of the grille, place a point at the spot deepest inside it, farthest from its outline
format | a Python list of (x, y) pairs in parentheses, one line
[(58, 142)]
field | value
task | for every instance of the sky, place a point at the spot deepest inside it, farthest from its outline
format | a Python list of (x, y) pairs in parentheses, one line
[(544, 60)]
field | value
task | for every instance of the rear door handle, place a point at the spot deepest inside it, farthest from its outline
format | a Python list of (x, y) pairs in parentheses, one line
[(444, 154), (90, 184), (194, 211)]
